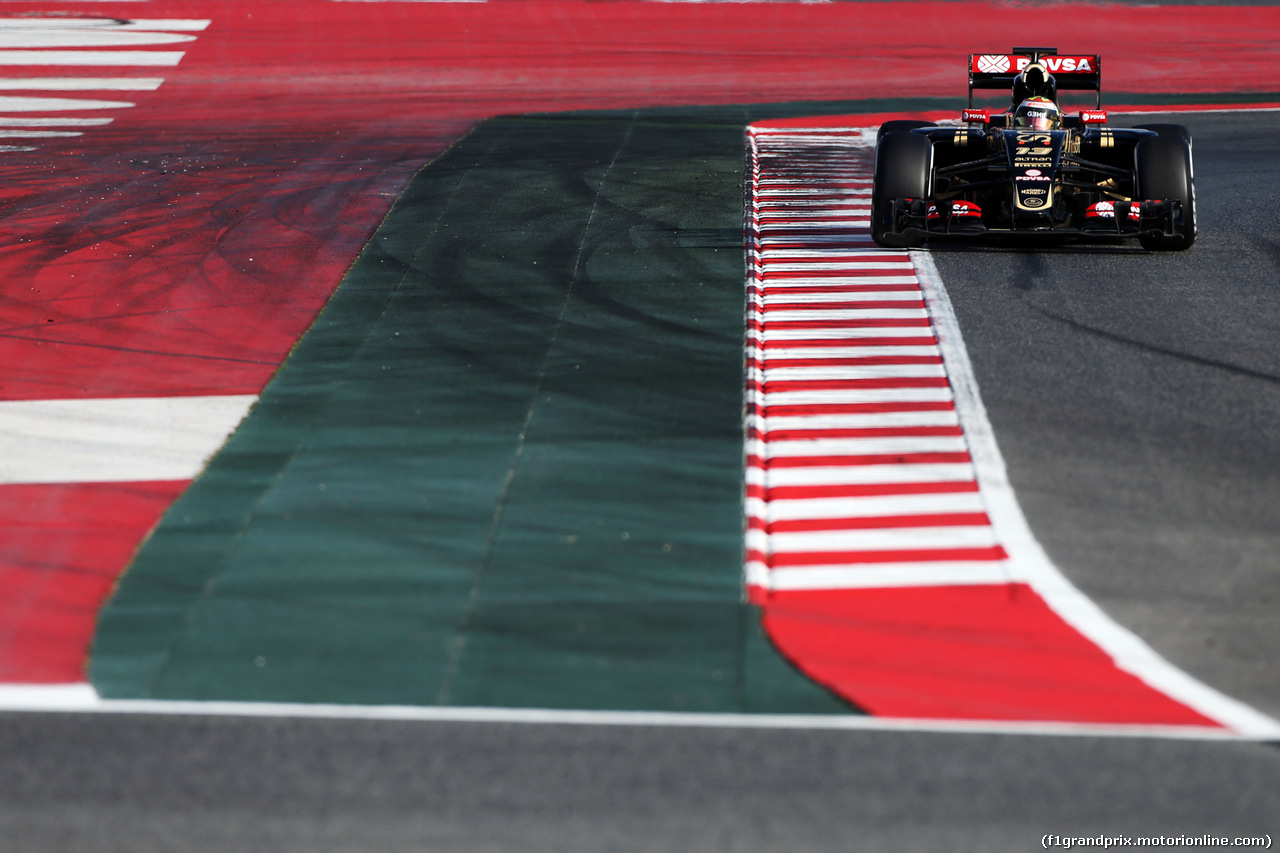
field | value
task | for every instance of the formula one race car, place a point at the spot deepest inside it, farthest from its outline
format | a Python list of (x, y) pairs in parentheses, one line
[(1033, 171)]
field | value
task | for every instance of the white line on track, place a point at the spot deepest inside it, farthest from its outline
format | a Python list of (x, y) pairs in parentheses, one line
[(877, 419), (104, 24), (88, 36), (868, 507), (75, 84), (16, 104), (104, 58), (38, 134), (867, 446), (816, 352), (81, 698), (896, 574), (863, 475), (60, 121), (846, 542)]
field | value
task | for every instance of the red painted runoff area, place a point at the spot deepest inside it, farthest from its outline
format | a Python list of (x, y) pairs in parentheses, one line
[(182, 248), (982, 652), (61, 548)]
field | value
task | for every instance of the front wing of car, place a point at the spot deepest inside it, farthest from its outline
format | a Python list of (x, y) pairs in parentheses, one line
[(927, 219)]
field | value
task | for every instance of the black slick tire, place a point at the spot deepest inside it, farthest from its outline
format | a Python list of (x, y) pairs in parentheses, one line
[(900, 125), (1164, 171), (1168, 130), (904, 169)]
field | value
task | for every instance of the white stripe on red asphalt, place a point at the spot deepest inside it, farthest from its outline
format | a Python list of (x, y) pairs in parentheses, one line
[(49, 42), (853, 480), (114, 440)]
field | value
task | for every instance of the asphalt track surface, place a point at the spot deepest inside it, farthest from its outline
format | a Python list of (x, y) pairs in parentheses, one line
[(1130, 393), (1135, 399)]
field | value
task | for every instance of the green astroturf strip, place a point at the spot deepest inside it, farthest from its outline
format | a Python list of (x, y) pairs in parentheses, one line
[(504, 466)]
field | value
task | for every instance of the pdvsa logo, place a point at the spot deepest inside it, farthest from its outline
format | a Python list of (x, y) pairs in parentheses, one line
[(993, 64), (1058, 64)]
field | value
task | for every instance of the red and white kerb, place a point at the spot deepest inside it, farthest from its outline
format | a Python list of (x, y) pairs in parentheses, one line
[(884, 545)]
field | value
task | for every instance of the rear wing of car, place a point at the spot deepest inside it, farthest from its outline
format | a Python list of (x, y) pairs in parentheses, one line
[(998, 70)]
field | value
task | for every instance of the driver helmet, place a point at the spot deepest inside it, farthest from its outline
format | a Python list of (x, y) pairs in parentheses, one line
[(1037, 114)]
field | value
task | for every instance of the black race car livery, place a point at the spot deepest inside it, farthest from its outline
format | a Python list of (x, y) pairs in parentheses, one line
[(1032, 170)]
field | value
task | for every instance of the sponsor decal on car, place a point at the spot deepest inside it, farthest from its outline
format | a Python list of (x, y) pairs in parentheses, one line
[(996, 63), (1065, 64), (1102, 210), (1093, 116), (992, 64), (1110, 210), (965, 208), (971, 115), (1033, 197), (959, 209), (1032, 175)]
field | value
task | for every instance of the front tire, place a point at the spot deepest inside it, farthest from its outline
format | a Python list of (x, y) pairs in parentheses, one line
[(1168, 130), (900, 125), (1165, 171), (904, 169)]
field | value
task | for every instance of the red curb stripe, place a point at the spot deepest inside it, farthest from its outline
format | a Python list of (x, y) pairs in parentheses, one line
[(952, 519), (902, 261), (800, 559), (834, 343), (846, 361), (859, 432)]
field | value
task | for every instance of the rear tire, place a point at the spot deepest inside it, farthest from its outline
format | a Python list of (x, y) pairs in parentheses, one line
[(1165, 171), (904, 169)]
